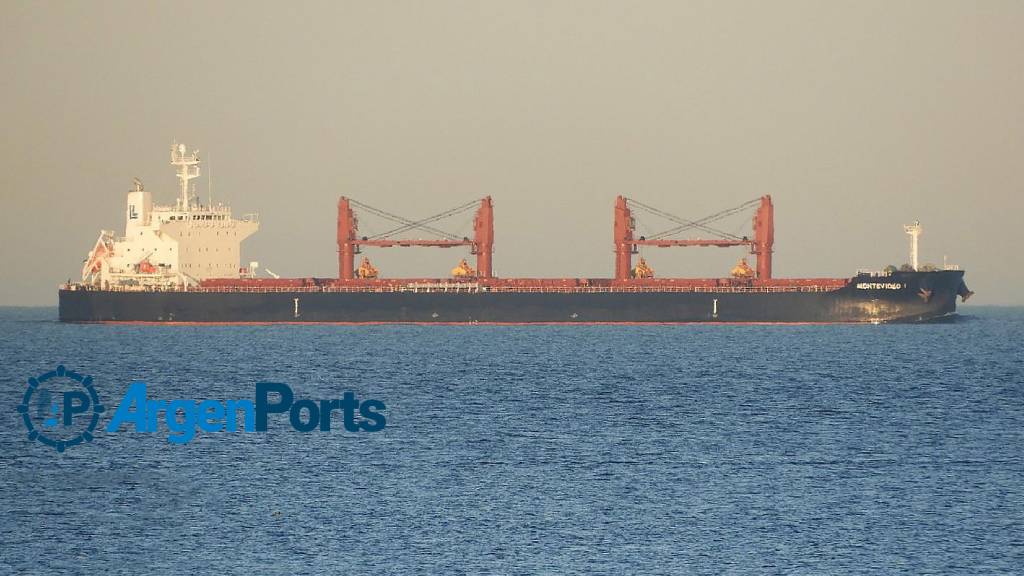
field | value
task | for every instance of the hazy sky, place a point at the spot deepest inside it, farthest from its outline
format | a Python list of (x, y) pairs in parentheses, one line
[(858, 117)]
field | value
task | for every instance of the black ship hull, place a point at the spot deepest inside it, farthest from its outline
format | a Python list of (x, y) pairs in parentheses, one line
[(901, 297)]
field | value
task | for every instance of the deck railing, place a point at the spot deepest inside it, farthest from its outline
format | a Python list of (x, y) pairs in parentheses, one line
[(455, 289)]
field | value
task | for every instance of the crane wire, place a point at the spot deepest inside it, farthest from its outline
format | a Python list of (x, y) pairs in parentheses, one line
[(700, 223), (407, 224), (683, 223)]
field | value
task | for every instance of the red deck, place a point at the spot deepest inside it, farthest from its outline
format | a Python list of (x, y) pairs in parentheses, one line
[(526, 284)]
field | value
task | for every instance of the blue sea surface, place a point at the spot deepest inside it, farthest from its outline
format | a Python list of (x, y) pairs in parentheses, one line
[(891, 449)]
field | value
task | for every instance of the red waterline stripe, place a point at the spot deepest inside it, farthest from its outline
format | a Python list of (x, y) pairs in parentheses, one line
[(398, 323)]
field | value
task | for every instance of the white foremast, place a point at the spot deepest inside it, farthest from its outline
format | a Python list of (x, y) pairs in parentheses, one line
[(914, 230)]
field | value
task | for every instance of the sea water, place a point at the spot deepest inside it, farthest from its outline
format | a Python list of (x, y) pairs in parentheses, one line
[(534, 450)]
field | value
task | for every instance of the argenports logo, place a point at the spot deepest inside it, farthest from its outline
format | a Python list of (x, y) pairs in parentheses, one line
[(58, 427), (73, 419)]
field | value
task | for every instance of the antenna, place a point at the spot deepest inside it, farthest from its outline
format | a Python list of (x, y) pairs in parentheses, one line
[(209, 180)]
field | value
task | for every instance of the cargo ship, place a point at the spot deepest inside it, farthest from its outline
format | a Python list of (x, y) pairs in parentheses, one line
[(181, 263)]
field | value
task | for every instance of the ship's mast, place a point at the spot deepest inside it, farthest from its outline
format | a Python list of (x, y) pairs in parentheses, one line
[(914, 230), (188, 168)]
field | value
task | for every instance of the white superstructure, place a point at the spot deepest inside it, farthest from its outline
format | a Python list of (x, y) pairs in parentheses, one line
[(170, 246)]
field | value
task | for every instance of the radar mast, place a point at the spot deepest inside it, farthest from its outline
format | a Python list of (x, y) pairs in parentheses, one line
[(188, 168), (914, 230)]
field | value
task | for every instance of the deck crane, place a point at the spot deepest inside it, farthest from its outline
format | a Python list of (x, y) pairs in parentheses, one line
[(626, 242), (350, 243)]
